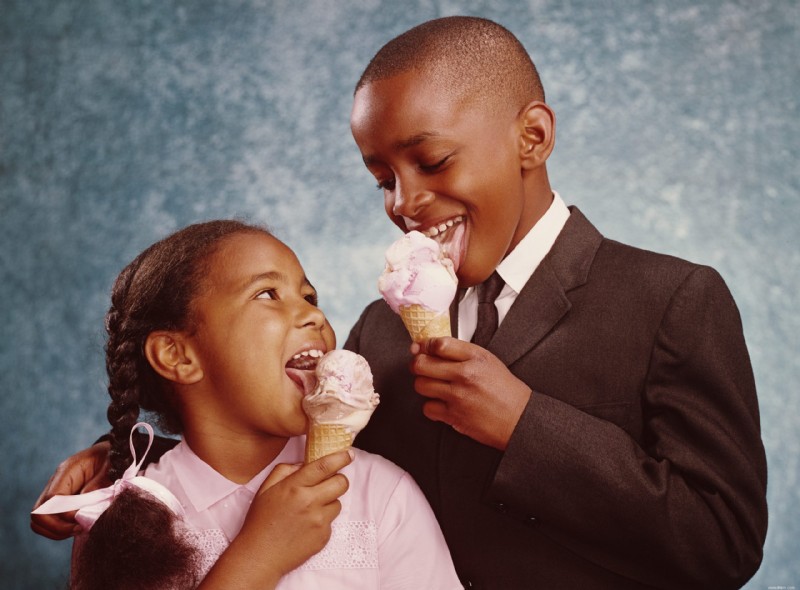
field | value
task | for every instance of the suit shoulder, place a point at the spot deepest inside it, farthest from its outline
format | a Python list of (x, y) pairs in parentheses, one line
[(646, 264)]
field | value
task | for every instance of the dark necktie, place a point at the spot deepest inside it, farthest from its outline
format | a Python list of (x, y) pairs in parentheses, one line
[(487, 312)]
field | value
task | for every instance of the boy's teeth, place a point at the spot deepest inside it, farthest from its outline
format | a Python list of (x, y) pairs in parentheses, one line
[(442, 227)]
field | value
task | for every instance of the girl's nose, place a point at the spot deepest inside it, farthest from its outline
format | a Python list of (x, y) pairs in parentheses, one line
[(311, 315)]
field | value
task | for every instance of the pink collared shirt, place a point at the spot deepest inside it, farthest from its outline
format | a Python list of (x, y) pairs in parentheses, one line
[(386, 535)]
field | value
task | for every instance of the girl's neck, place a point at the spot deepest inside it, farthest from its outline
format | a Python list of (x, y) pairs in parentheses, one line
[(237, 456)]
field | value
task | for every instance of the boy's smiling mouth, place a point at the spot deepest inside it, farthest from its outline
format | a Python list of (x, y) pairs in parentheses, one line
[(441, 228), (450, 234), (301, 369)]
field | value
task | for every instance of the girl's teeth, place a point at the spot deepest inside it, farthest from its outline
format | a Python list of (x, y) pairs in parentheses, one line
[(306, 353)]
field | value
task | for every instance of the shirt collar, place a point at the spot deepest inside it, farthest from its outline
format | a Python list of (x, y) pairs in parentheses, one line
[(522, 261), (204, 486)]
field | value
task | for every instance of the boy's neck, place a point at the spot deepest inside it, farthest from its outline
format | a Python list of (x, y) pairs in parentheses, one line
[(540, 197)]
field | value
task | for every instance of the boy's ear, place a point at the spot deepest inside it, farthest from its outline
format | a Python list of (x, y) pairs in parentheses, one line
[(172, 356), (537, 134)]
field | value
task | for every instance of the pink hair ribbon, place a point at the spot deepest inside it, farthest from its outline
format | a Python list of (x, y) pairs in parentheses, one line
[(91, 505)]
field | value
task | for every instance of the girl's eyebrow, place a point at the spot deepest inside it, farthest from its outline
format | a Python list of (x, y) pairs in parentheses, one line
[(271, 275)]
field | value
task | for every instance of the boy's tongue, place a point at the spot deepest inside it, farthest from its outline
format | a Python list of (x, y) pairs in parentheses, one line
[(452, 243)]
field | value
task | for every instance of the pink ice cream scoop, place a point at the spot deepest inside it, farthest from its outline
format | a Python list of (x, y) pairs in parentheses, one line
[(417, 273), (419, 283), (340, 405)]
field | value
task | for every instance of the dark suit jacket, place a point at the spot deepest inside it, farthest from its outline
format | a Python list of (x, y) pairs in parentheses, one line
[(638, 461)]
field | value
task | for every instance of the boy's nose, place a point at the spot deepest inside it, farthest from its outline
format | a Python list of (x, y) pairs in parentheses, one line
[(409, 201)]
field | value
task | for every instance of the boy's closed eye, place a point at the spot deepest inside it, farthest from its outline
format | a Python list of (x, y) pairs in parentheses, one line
[(436, 166), (433, 168)]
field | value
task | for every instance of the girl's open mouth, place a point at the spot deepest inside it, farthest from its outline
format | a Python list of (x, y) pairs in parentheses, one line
[(301, 369)]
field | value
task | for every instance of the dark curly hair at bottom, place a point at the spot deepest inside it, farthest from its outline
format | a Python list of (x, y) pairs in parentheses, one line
[(127, 545)]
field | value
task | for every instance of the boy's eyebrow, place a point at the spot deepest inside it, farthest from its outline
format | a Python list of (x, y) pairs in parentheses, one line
[(405, 144), (415, 140)]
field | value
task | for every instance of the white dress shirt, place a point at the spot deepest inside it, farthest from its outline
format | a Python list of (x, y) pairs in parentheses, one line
[(516, 268)]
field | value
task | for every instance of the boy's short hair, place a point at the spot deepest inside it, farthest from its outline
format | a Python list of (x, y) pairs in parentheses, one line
[(471, 56)]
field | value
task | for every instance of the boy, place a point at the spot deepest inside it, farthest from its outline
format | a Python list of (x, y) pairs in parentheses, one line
[(607, 435)]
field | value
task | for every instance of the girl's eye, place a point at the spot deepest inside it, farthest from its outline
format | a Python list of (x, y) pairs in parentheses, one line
[(267, 294), (312, 299)]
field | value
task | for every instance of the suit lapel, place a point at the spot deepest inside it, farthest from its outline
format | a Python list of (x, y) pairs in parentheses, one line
[(544, 300)]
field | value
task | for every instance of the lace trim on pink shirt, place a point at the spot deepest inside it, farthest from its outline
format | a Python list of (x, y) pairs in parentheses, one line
[(211, 543), (353, 545)]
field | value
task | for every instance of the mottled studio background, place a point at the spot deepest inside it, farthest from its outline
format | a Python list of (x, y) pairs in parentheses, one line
[(122, 120)]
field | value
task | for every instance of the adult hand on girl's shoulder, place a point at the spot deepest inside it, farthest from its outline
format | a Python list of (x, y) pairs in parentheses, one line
[(288, 522), (85, 471), (469, 388)]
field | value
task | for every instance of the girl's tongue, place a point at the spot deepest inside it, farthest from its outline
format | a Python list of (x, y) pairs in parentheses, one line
[(303, 372)]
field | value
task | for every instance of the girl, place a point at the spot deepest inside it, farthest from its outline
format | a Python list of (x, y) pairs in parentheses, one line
[(212, 330)]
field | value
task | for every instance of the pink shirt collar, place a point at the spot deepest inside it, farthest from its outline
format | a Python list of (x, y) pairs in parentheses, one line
[(204, 486)]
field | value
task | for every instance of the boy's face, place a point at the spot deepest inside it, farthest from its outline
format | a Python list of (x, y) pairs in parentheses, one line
[(447, 168), (257, 316)]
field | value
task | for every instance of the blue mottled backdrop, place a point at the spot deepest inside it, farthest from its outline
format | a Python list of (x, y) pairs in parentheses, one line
[(121, 120)]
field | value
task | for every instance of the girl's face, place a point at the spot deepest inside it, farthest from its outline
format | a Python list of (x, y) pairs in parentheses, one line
[(258, 330)]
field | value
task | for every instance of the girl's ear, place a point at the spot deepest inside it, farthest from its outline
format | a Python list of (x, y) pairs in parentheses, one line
[(171, 355), (537, 134)]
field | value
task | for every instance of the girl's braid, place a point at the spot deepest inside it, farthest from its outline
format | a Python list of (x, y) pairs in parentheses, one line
[(123, 351)]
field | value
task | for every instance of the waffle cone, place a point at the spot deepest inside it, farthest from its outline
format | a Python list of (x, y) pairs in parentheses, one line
[(423, 323), (324, 439)]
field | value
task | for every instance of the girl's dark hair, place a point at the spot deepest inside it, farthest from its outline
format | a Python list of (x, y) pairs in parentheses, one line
[(154, 292), (133, 545)]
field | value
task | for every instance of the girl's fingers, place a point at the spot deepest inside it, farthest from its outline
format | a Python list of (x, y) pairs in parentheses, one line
[(314, 473), (324, 468)]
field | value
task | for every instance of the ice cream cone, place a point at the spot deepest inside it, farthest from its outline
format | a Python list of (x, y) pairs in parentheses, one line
[(424, 323), (324, 439)]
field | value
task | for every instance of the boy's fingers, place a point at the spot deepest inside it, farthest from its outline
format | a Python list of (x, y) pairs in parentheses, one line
[(54, 526), (435, 410), (446, 348)]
